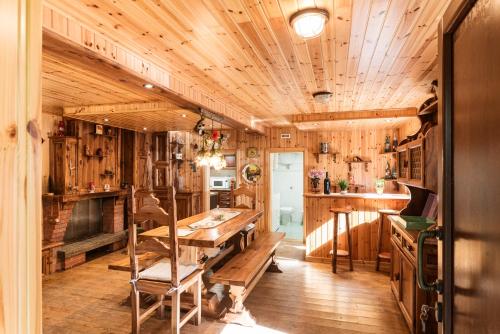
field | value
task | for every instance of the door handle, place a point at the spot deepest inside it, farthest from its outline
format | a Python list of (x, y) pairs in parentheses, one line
[(422, 236)]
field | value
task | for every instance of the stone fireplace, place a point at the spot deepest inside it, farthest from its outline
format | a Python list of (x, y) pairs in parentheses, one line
[(78, 223)]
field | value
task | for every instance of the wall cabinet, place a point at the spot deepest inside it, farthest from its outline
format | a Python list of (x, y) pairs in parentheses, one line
[(63, 164), (403, 276)]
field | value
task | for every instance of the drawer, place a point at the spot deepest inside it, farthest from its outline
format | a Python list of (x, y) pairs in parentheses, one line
[(409, 248), (396, 236)]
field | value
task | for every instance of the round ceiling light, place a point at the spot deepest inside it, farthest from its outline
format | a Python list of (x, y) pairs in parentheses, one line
[(322, 97), (310, 22)]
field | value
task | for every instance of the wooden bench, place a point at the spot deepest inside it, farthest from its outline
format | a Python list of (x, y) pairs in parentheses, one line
[(81, 247), (245, 269)]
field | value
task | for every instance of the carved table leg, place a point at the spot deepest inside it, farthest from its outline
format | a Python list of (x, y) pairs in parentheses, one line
[(273, 267), (238, 314)]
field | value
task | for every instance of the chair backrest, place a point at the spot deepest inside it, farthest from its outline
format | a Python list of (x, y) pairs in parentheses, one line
[(242, 191), (150, 210)]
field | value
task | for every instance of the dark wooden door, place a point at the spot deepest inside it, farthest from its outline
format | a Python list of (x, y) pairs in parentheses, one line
[(470, 189)]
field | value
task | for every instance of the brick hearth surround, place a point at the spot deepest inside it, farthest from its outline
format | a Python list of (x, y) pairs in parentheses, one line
[(57, 215)]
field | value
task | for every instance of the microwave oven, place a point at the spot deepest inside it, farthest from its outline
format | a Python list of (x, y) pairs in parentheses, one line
[(220, 182)]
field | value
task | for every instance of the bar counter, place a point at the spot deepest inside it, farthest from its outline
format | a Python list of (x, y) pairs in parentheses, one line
[(318, 223)]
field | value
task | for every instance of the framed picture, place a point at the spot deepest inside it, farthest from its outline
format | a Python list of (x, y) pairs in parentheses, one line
[(230, 160), (98, 129), (252, 152)]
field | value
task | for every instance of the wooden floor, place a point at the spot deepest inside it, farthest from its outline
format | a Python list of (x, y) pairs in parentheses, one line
[(306, 298)]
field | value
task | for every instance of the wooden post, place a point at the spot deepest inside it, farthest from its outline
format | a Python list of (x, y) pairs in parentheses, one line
[(20, 166)]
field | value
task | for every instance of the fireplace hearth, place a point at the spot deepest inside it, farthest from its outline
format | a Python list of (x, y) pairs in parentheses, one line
[(78, 223)]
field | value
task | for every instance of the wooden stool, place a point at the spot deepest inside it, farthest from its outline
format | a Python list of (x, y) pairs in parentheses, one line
[(382, 255), (335, 252)]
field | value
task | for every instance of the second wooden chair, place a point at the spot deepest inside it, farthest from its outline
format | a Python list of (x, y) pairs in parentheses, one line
[(242, 195)]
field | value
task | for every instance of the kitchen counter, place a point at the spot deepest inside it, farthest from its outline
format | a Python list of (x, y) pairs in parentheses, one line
[(360, 195), (318, 223)]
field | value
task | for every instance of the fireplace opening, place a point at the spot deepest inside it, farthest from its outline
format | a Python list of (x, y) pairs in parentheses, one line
[(86, 220)]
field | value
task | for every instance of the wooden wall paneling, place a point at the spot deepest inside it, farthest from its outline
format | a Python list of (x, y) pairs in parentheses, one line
[(20, 167)]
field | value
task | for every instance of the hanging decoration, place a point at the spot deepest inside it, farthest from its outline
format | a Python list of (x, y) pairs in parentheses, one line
[(210, 153)]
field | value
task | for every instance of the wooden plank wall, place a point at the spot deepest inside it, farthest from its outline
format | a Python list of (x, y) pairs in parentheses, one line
[(90, 169), (363, 142), (364, 227)]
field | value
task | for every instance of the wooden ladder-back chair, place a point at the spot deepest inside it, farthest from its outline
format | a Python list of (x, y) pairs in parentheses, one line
[(166, 277), (248, 234), (243, 192)]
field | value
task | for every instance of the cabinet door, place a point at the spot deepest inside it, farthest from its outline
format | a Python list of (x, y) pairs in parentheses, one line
[(402, 163), (416, 162), (395, 270), (408, 283)]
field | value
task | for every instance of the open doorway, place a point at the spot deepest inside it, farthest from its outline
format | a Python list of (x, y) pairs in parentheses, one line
[(287, 188)]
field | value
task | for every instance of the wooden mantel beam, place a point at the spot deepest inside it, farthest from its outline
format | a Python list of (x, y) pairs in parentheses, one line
[(79, 45), (354, 115)]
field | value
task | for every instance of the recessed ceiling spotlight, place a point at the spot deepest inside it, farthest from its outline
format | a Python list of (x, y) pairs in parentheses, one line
[(246, 129), (148, 85), (316, 124), (106, 120), (144, 128), (310, 22), (322, 97), (184, 115)]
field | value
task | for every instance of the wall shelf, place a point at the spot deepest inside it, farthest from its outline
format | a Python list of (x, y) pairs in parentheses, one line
[(333, 154)]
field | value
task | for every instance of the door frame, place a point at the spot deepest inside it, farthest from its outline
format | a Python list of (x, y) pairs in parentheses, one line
[(452, 18), (268, 201)]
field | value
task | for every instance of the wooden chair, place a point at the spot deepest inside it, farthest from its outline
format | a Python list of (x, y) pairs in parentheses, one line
[(166, 277), (243, 192), (248, 234), (336, 252)]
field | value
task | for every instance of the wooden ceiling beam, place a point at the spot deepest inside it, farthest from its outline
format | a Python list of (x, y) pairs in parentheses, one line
[(81, 46), (354, 115), (125, 108)]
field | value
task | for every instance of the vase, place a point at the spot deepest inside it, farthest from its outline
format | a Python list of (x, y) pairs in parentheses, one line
[(379, 190), (343, 191), (315, 185)]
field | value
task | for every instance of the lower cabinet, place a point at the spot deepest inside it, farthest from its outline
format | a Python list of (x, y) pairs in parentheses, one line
[(403, 277)]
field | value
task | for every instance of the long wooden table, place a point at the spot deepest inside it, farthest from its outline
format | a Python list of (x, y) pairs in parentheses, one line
[(192, 247), (208, 237)]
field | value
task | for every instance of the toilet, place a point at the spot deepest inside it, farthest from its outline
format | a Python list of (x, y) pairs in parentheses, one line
[(286, 215)]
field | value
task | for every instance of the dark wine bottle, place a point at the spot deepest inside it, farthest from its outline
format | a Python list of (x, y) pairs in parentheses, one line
[(326, 184), (387, 146), (394, 143)]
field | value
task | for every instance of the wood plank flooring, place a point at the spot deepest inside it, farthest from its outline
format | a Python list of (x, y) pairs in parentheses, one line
[(306, 298)]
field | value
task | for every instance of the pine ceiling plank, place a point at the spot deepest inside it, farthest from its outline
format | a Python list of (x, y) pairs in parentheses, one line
[(413, 11), (359, 24), (418, 40), (342, 10), (378, 16), (393, 18), (354, 115)]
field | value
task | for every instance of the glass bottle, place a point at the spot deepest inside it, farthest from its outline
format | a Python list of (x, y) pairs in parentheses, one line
[(387, 147), (394, 143), (326, 184)]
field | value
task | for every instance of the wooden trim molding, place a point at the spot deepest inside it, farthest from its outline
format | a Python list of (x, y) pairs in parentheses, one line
[(78, 44), (354, 115), (21, 167)]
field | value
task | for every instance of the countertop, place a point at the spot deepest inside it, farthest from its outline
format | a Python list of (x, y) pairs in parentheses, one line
[(360, 195)]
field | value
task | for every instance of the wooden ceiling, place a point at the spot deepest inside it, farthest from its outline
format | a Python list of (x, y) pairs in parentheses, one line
[(65, 85), (373, 54)]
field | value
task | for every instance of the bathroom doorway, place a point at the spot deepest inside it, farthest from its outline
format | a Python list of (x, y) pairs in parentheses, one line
[(287, 188)]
